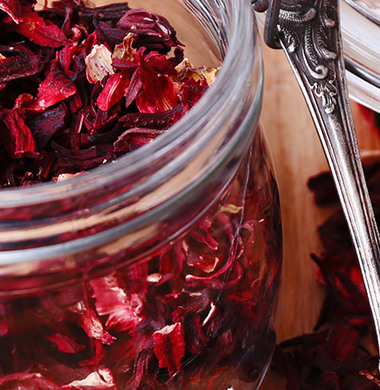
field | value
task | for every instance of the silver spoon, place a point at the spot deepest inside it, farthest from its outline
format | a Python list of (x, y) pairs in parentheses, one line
[(309, 33)]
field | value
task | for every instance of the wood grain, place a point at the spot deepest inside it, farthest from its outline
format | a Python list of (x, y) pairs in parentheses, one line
[(297, 155)]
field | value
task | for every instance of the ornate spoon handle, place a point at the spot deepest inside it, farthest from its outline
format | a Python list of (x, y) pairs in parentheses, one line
[(309, 33)]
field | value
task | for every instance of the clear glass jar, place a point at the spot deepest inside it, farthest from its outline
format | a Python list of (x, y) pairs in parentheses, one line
[(159, 270)]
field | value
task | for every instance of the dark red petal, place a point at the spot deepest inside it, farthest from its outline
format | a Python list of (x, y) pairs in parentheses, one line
[(74, 161), (107, 32), (16, 67), (150, 30), (343, 343), (134, 138), (26, 381), (66, 55), (191, 91), (18, 140), (159, 120), (169, 347), (195, 338), (45, 125)]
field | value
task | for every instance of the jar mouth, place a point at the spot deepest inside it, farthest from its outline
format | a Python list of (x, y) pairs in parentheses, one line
[(361, 37), (238, 19), (214, 134)]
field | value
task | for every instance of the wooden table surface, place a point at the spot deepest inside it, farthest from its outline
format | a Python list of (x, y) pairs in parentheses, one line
[(297, 155)]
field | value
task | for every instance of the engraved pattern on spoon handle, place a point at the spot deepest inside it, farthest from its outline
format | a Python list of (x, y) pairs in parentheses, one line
[(310, 36)]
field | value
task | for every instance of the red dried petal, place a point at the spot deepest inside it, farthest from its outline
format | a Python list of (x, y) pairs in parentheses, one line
[(160, 63), (159, 92), (74, 161), (39, 31), (123, 309), (113, 91), (12, 8), (133, 89), (4, 321), (64, 343), (196, 340), (145, 370), (55, 87), (26, 381), (107, 32), (169, 347), (18, 140), (94, 328)]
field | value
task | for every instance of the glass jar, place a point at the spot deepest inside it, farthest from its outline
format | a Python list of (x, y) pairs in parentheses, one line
[(361, 36), (159, 270)]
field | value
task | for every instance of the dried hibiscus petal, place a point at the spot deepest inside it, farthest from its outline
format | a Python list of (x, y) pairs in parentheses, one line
[(113, 91), (150, 30), (100, 379), (12, 8), (98, 63), (159, 92), (169, 347), (18, 140), (18, 66), (26, 381), (46, 124), (336, 357), (134, 138), (64, 343), (55, 88), (159, 120), (123, 310), (35, 28)]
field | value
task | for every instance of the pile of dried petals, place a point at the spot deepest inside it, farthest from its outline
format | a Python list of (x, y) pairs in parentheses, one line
[(82, 86), (341, 353)]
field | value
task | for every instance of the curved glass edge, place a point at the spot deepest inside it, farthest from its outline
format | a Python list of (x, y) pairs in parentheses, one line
[(363, 92)]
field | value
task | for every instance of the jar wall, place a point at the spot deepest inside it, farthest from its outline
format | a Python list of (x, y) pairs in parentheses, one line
[(194, 314)]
